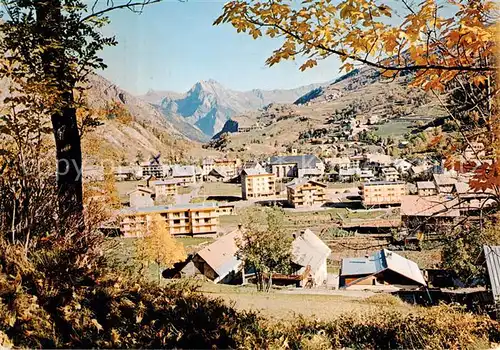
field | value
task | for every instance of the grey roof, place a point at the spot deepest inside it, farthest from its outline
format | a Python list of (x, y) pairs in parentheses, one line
[(221, 255), (254, 171), (309, 249), (380, 261), (425, 185), (140, 189), (183, 170), (163, 208), (165, 182), (361, 266), (444, 180), (401, 162), (305, 161), (218, 172), (297, 182), (492, 256), (383, 183)]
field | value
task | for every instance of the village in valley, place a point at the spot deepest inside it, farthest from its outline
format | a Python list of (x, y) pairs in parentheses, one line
[(243, 174), (361, 223)]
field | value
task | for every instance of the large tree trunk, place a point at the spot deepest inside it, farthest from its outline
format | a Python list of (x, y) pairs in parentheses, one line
[(67, 138), (69, 164)]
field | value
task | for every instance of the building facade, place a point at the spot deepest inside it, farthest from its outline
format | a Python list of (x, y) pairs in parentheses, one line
[(257, 184), (389, 174), (192, 219), (426, 188), (382, 192), (307, 193), (306, 165), (141, 197), (229, 166), (165, 188), (153, 169)]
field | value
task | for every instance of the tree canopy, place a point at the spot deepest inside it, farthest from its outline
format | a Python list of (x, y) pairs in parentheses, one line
[(265, 246), (436, 40), (443, 46)]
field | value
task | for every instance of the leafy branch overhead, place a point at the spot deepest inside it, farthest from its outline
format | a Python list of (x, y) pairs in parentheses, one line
[(436, 43)]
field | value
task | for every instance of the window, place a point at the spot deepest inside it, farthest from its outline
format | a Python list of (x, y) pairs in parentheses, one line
[(176, 222)]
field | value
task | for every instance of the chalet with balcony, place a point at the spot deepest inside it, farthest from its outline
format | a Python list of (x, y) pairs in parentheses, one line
[(305, 193)]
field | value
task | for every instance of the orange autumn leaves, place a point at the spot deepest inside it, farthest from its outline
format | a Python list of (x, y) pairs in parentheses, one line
[(437, 43)]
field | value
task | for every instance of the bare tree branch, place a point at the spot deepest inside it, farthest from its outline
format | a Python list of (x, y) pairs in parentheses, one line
[(130, 5)]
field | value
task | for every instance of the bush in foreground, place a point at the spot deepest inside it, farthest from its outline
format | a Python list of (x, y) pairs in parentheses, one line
[(53, 300)]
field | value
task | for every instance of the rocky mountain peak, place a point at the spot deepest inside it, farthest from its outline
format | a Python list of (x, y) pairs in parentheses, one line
[(209, 104)]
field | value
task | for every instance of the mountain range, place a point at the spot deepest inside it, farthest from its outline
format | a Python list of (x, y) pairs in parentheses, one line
[(208, 104)]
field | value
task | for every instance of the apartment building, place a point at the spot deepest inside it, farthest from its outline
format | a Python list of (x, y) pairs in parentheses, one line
[(165, 188), (190, 219), (305, 193), (154, 169), (229, 166), (257, 183), (426, 188), (382, 192), (389, 174)]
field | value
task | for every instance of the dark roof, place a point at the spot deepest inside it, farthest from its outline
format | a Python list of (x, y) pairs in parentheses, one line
[(305, 161), (217, 172)]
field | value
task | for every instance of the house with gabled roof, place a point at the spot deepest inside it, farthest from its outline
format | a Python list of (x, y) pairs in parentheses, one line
[(382, 269), (444, 183), (216, 175), (426, 188), (141, 197), (218, 261), (306, 165), (309, 252), (186, 174)]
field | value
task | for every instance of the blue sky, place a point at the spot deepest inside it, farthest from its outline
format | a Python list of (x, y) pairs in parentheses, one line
[(172, 45)]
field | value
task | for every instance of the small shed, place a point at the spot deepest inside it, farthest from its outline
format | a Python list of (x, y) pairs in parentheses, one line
[(384, 268)]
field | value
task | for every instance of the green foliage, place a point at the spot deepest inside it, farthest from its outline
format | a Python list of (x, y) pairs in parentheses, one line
[(265, 246), (462, 251), (62, 297), (335, 232)]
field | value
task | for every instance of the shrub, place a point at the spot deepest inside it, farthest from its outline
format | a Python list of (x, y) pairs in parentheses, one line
[(384, 299)]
